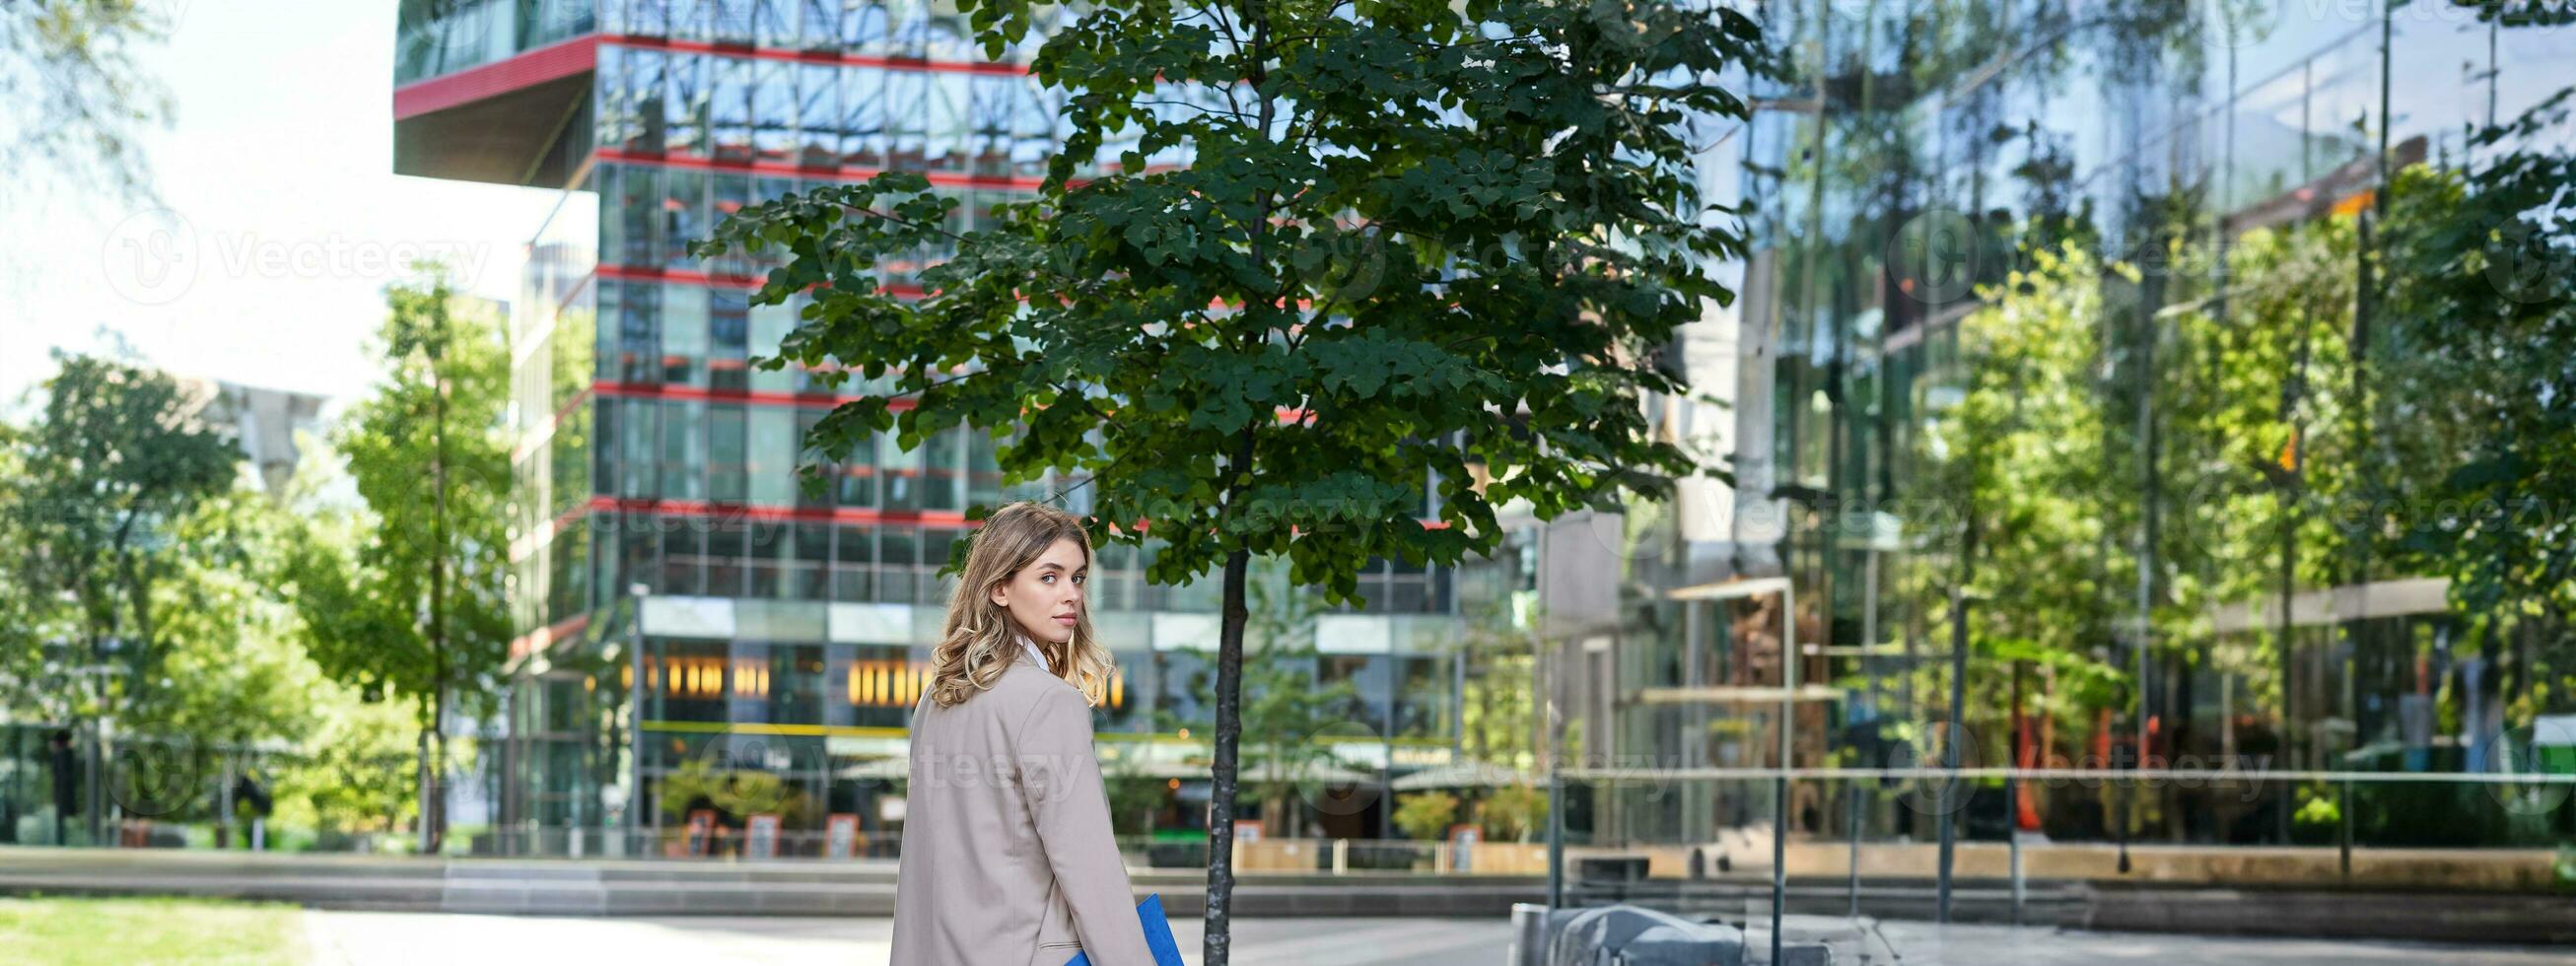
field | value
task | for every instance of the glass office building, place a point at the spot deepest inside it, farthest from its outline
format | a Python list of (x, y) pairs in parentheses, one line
[(665, 544), (1912, 153)]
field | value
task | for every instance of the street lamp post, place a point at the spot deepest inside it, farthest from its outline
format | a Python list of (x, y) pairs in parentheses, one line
[(635, 715)]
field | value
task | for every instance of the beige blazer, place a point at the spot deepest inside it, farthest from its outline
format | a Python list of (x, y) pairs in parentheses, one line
[(1007, 854)]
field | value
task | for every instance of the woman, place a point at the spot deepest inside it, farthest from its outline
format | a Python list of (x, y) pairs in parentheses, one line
[(1007, 854)]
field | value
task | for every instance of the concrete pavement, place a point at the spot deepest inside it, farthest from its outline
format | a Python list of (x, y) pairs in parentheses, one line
[(342, 938), (430, 939)]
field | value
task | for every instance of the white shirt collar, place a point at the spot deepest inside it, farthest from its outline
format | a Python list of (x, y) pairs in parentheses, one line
[(1035, 652)]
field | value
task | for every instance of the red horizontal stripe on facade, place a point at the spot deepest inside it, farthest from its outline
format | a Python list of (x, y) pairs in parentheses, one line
[(554, 62), (544, 637), (693, 160), (812, 514), (921, 64)]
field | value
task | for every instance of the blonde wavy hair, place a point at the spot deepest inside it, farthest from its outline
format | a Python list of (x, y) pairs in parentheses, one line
[(976, 643)]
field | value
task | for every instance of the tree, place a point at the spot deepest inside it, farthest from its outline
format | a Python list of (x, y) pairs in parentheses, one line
[(1337, 253), (115, 458), (1426, 815), (2481, 269), (2016, 466), (417, 607), (1498, 710), (79, 94)]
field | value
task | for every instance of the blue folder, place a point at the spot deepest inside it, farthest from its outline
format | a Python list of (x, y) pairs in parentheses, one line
[(1158, 935)]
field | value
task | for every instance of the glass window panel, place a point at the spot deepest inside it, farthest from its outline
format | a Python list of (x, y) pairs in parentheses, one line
[(944, 470), (901, 471), (728, 337), (651, 18), (907, 119), (733, 19), (684, 216), (725, 452), (947, 34), (810, 489), (692, 19), (773, 22), (983, 469), (818, 114), (640, 426), (863, 28), (991, 117), (634, 226), (684, 334), (604, 451), (725, 551), (863, 134), (729, 107), (819, 24), (854, 559), (950, 121), (773, 110), (898, 558), (729, 193), (613, 126), (769, 545), (684, 108), (640, 333), (683, 557), (855, 479), (771, 458), (909, 28), (797, 685), (769, 324), (648, 100), (1033, 127), (936, 544), (683, 450)]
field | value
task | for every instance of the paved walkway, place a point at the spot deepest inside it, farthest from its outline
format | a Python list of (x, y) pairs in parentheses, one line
[(1924, 944), (421, 939)]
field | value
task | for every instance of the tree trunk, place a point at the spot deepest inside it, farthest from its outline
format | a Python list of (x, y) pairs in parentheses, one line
[(434, 809), (427, 790), (1229, 733)]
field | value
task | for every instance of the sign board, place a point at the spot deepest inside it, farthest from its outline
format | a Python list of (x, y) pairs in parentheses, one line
[(841, 837), (1462, 845), (760, 836)]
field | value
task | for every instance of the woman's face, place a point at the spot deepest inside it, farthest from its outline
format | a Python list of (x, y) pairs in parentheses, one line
[(1045, 598)]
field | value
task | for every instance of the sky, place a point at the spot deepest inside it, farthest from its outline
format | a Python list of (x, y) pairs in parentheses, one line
[(284, 221)]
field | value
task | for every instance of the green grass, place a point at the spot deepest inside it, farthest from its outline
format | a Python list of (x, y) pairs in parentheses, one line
[(117, 932)]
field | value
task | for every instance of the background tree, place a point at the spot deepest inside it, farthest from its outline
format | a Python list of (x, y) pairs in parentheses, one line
[(416, 608), (2482, 307), (116, 456), (79, 95), (2015, 468), (1402, 240)]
